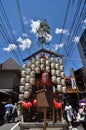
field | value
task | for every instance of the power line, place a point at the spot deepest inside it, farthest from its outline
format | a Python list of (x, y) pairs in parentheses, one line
[(68, 5), (9, 26), (70, 47), (20, 15)]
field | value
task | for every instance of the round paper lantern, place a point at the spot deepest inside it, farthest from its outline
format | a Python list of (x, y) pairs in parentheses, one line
[(22, 81), (52, 65), (54, 79), (57, 66), (21, 97), (29, 104), (47, 69), (59, 88), (26, 94), (37, 63), (62, 74), (64, 89), (53, 72), (58, 73), (56, 60), (32, 74), (23, 73), (42, 60), (29, 64), (57, 104), (52, 59), (35, 102), (42, 67), (28, 71), (24, 66), (37, 70), (28, 87), (61, 62), (22, 89), (33, 66), (24, 104), (46, 57), (47, 63), (32, 81), (27, 78), (59, 80), (63, 82), (61, 68)]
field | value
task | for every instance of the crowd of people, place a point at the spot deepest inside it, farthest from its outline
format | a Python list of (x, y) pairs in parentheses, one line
[(72, 115), (9, 112)]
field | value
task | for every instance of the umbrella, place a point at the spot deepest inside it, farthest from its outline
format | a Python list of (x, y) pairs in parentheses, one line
[(82, 102), (8, 105)]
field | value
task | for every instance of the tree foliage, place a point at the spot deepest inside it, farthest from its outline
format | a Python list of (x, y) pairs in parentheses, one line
[(43, 32)]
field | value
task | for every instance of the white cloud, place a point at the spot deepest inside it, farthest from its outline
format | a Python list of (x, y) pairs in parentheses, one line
[(25, 43), (48, 37), (84, 24), (76, 39), (84, 21), (24, 35), (34, 26), (57, 46), (59, 31), (26, 20), (10, 47)]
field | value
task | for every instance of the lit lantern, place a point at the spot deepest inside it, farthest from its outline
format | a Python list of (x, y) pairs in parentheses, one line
[(57, 104), (26, 104), (29, 104), (45, 79), (35, 102)]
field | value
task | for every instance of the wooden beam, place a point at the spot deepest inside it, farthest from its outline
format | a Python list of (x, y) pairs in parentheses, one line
[(45, 51)]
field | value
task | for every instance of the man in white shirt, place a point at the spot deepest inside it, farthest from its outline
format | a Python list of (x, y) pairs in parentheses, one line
[(69, 114)]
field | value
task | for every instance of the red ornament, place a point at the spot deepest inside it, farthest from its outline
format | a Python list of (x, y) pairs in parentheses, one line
[(57, 104), (35, 102), (29, 104), (26, 104), (46, 79)]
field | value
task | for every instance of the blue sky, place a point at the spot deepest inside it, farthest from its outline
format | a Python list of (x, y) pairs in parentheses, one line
[(19, 20)]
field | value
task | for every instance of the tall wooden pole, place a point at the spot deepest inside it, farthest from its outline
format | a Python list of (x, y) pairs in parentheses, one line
[(45, 118)]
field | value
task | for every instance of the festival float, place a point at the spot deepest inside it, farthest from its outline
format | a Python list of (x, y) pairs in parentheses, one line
[(42, 85)]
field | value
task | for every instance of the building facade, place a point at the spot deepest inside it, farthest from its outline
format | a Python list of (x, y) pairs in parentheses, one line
[(10, 74), (82, 51)]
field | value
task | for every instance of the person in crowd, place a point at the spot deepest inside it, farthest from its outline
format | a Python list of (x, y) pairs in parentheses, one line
[(14, 112), (1, 113), (69, 114), (8, 112), (82, 112)]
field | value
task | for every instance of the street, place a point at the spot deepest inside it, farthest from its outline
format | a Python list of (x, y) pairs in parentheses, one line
[(15, 126)]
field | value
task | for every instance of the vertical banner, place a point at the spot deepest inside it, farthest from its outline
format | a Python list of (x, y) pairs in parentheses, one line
[(73, 83)]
